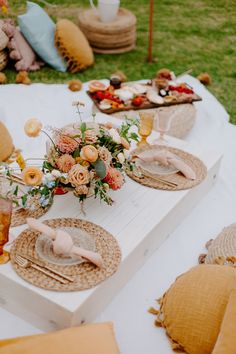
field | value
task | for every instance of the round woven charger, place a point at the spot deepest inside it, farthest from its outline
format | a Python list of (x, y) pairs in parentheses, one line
[(87, 274), (89, 20), (19, 216), (223, 246), (181, 124), (182, 183)]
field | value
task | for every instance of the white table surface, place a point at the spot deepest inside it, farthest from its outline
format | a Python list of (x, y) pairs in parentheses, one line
[(135, 330)]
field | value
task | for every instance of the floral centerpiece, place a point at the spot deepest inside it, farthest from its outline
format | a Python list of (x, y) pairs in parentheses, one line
[(86, 157)]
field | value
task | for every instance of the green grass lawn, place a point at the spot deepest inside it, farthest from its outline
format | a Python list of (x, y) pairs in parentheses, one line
[(197, 34)]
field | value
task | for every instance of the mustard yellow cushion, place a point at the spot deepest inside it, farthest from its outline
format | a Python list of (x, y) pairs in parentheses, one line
[(193, 308), (6, 144), (73, 46), (226, 341), (87, 339)]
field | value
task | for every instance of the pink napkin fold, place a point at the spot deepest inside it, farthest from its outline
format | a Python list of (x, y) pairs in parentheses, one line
[(166, 158)]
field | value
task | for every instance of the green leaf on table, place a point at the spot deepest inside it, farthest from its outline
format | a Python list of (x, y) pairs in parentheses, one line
[(100, 168)]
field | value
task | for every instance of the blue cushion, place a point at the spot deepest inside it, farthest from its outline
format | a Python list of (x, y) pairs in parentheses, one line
[(39, 30)]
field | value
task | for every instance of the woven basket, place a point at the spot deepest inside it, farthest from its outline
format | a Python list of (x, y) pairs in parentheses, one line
[(181, 124), (6, 145), (3, 59), (3, 40)]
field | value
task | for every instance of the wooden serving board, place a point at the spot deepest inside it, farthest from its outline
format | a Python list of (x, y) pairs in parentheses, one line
[(145, 105)]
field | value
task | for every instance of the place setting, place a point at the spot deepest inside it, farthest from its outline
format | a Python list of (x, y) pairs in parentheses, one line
[(65, 254), (158, 165)]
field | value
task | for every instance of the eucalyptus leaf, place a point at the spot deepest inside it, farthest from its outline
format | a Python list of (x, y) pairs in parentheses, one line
[(100, 168)]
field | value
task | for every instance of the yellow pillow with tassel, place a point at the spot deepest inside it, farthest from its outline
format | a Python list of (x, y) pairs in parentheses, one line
[(193, 308), (73, 46)]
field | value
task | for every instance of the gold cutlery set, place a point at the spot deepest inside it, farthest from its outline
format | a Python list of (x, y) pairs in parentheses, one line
[(26, 261)]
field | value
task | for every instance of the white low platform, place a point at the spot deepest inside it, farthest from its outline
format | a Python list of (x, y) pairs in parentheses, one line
[(141, 219), (134, 327)]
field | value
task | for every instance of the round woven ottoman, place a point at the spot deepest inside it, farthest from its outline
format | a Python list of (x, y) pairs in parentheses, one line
[(181, 124), (118, 36)]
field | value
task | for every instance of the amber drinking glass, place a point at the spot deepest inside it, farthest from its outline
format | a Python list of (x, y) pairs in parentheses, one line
[(145, 127), (5, 221)]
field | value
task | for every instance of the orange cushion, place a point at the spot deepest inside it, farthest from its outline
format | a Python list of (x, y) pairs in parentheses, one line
[(86, 339), (193, 308), (73, 46), (226, 341)]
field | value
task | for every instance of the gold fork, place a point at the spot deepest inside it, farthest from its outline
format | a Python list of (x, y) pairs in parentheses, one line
[(24, 263), (43, 265)]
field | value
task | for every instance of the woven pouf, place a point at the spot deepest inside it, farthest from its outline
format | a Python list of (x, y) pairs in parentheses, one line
[(3, 59), (181, 124), (118, 36)]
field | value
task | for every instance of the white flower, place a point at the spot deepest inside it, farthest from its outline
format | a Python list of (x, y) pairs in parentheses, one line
[(56, 173), (121, 157), (126, 154), (115, 135)]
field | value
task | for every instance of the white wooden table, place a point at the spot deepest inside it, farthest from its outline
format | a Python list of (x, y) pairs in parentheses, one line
[(134, 327), (141, 219)]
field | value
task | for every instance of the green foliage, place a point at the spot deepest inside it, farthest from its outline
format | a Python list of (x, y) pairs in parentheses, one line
[(47, 166), (197, 34), (125, 129), (101, 192)]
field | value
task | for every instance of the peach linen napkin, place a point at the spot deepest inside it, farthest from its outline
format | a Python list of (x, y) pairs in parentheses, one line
[(166, 158), (96, 338)]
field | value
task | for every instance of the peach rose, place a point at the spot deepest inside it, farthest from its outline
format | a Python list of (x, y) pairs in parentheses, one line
[(105, 155), (78, 175), (32, 176), (89, 153), (80, 190), (66, 144), (65, 163), (33, 127), (91, 136)]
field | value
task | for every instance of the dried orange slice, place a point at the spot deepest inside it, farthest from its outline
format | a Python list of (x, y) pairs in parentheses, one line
[(96, 85)]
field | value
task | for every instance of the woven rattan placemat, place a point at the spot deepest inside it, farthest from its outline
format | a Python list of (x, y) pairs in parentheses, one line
[(87, 274), (19, 215), (182, 183)]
